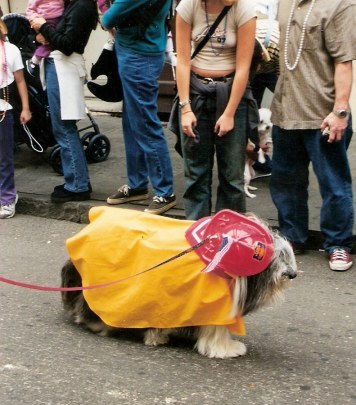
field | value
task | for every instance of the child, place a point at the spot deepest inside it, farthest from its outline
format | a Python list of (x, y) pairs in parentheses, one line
[(10, 73), (51, 11)]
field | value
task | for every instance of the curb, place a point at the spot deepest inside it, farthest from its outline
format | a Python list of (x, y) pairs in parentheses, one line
[(39, 206)]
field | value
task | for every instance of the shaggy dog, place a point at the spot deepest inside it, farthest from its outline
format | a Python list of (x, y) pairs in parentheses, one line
[(250, 293), (264, 135)]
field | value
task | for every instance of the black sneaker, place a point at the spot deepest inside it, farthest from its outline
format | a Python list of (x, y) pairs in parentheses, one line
[(32, 68), (61, 195), (159, 205), (61, 187), (298, 248), (125, 194)]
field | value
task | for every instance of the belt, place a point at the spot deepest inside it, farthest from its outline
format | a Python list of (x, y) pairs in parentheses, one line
[(207, 80)]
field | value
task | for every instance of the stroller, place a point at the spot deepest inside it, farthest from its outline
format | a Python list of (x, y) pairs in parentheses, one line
[(37, 134)]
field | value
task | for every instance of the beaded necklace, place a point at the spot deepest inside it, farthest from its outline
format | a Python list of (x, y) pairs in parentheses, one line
[(302, 36), (3, 84), (220, 39)]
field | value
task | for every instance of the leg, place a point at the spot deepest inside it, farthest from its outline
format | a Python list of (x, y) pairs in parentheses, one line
[(216, 342), (331, 167), (156, 337), (198, 155), (146, 146), (230, 154), (289, 183), (7, 177), (75, 169)]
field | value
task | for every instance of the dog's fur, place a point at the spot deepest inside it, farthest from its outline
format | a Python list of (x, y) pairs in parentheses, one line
[(264, 135), (250, 293)]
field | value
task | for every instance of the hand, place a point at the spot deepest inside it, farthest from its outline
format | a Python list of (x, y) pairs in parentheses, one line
[(25, 116), (336, 127), (224, 125), (189, 122), (37, 23), (41, 39)]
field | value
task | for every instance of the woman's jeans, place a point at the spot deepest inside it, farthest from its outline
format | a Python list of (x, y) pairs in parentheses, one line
[(7, 145), (147, 154), (65, 132), (292, 153), (199, 156)]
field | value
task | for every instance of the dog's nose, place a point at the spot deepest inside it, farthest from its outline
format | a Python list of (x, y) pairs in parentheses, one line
[(290, 273), (268, 127)]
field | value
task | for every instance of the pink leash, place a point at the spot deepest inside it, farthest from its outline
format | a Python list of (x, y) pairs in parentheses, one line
[(93, 287)]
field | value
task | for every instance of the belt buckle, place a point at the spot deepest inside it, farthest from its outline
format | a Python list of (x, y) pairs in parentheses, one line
[(208, 80)]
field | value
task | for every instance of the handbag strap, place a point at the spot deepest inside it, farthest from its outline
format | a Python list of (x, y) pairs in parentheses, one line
[(211, 31)]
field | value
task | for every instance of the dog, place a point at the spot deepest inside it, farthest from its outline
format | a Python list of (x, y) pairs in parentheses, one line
[(265, 140), (249, 294)]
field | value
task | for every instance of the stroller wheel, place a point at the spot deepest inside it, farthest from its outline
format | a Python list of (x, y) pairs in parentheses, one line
[(85, 139), (98, 148), (55, 159)]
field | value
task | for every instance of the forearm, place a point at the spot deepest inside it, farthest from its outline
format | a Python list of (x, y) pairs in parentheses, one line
[(22, 89), (25, 115), (343, 85)]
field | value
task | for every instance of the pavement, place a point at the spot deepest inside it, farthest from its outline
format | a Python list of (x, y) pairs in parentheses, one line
[(35, 178)]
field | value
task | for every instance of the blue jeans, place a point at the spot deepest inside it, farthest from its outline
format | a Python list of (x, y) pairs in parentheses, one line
[(7, 145), (199, 155), (65, 132), (292, 153), (147, 154)]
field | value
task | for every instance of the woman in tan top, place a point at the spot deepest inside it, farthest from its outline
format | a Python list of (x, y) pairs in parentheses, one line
[(211, 90)]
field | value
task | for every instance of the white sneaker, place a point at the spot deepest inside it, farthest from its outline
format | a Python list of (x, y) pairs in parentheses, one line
[(8, 211)]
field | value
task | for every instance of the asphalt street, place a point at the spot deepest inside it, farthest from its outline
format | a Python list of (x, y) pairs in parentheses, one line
[(301, 351)]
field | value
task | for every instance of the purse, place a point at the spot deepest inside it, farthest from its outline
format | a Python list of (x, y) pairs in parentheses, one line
[(106, 65)]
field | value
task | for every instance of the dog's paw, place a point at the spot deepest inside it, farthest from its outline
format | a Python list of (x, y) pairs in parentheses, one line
[(230, 349), (156, 337), (247, 192), (216, 342)]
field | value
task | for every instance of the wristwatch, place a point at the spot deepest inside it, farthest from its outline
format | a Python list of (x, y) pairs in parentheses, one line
[(342, 113), (184, 103)]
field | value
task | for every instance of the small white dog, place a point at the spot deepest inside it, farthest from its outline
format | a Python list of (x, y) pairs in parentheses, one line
[(264, 133)]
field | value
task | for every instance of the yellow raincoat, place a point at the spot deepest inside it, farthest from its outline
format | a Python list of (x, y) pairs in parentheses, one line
[(119, 243)]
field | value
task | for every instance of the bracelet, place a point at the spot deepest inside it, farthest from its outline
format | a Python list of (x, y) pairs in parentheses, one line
[(184, 103), (186, 112)]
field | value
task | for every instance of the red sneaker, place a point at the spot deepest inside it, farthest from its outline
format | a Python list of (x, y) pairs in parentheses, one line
[(340, 260)]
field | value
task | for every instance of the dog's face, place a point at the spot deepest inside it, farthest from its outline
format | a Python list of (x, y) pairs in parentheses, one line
[(253, 292), (265, 125), (269, 285)]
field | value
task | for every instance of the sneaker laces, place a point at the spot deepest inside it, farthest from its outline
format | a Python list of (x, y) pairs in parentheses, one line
[(339, 255), (125, 189), (159, 199)]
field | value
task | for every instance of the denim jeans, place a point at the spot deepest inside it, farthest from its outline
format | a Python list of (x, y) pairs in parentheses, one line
[(147, 154), (65, 132), (199, 156), (7, 180), (292, 153)]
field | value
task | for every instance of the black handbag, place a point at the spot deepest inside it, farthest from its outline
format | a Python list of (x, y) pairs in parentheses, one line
[(106, 65)]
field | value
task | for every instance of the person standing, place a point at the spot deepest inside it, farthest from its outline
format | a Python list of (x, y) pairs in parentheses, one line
[(311, 98), (140, 42), (11, 75), (64, 79), (213, 111)]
